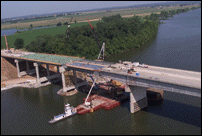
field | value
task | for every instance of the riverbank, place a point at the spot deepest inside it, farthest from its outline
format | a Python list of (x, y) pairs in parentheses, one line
[(24, 84)]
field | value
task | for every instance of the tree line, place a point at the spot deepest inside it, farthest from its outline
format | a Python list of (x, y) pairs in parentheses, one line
[(118, 33), (166, 14)]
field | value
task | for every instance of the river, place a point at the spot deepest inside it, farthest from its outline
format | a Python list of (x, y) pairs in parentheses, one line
[(13, 30), (178, 45)]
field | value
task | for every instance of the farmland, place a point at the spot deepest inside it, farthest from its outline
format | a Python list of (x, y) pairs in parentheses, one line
[(91, 16), (30, 35)]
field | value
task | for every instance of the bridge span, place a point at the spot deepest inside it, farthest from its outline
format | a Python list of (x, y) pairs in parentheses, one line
[(168, 79)]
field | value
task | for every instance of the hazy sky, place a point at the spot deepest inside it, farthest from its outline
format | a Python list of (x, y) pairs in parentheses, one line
[(21, 8)]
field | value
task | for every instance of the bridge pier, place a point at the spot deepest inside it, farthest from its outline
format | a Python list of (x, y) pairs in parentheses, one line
[(138, 98), (47, 69), (58, 71), (27, 64), (18, 68), (62, 70), (37, 74), (75, 80)]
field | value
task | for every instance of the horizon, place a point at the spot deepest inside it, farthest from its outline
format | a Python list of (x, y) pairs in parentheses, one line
[(42, 7)]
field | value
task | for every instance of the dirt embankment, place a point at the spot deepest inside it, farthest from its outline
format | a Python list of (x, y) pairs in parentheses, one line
[(8, 71), (9, 74)]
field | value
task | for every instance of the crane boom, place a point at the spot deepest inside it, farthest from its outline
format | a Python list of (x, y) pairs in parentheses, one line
[(67, 31), (71, 19), (103, 51), (95, 36), (87, 103), (90, 24), (6, 43)]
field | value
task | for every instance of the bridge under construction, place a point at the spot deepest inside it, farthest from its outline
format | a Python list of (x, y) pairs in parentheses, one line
[(137, 80)]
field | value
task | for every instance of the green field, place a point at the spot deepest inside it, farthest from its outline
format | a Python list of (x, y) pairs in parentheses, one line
[(30, 35)]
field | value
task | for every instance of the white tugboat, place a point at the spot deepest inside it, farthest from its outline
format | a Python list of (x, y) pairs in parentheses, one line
[(69, 111)]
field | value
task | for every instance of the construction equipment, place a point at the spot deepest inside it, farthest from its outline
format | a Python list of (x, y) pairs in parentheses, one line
[(116, 83), (88, 103), (6, 43), (96, 85), (95, 35), (96, 38), (102, 51), (7, 48), (67, 32)]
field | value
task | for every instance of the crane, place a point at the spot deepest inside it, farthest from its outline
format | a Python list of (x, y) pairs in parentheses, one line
[(102, 51), (7, 47), (88, 103), (6, 43), (70, 22), (67, 31), (95, 36)]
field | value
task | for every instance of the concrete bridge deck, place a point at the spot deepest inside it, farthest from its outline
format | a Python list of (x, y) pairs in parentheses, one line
[(159, 75), (187, 78), (168, 79), (168, 75)]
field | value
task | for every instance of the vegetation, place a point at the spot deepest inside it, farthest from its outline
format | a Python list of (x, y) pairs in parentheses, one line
[(118, 33), (31, 35), (54, 19), (170, 13), (59, 24), (165, 14), (31, 27), (19, 43), (65, 23)]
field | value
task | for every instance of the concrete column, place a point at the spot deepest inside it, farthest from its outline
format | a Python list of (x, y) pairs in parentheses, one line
[(18, 68), (132, 101), (37, 73), (138, 98), (75, 80), (27, 64), (47, 69), (57, 69), (74, 74), (62, 70)]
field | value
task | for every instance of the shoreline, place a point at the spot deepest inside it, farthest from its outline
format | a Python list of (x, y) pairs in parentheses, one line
[(25, 85)]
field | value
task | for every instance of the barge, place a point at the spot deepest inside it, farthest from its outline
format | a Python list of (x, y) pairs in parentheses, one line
[(96, 102)]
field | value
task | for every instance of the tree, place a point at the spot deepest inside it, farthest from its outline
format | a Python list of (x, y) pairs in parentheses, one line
[(65, 23), (75, 21), (31, 27), (59, 24), (19, 42)]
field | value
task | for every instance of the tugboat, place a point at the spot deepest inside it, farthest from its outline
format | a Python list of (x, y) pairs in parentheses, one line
[(69, 111)]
